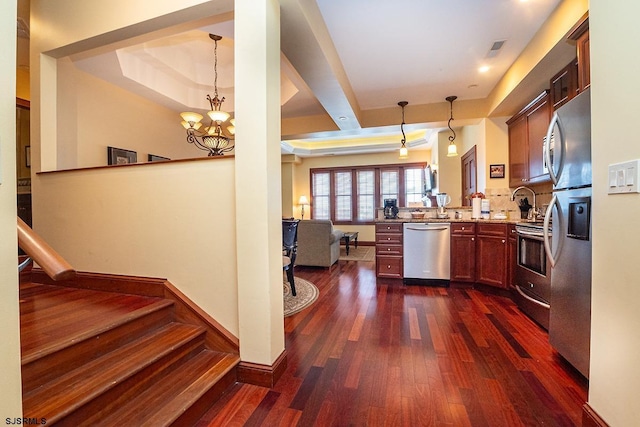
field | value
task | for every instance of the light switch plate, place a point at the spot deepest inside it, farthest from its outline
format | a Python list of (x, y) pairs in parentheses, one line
[(624, 177)]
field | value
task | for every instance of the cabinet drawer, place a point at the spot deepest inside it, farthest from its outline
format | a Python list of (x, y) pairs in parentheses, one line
[(389, 239), (463, 228), (488, 229), (389, 227), (382, 249), (389, 266)]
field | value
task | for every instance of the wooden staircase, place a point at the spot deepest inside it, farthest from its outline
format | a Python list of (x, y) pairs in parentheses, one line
[(102, 358)]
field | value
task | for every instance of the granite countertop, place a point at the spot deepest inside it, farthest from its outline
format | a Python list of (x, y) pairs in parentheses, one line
[(451, 219)]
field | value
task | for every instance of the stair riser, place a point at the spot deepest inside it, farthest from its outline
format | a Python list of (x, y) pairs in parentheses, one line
[(92, 412), (59, 363), (194, 412)]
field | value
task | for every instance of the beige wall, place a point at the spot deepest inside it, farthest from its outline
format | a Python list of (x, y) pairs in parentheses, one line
[(449, 179), (94, 114), (149, 220), (615, 340), (496, 152), (10, 382)]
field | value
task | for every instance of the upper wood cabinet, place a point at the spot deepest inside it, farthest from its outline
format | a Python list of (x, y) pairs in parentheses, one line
[(580, 35), (527, 130), (564, 85)]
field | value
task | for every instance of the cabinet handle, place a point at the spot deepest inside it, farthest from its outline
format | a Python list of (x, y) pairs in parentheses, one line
[(388, 249), (388, 228), (502, 240), (473, 238), (462, 228), (388, 238), (388, 267), (513, 231)]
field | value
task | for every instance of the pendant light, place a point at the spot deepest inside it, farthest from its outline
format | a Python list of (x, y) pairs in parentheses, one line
[(211, 138), (452, 150), (404, 152)]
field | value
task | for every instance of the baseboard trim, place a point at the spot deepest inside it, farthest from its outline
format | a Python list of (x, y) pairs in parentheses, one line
[(590, 418), (262, 375)]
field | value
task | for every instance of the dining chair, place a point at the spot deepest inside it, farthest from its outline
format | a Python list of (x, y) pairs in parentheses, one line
[(289, 249)]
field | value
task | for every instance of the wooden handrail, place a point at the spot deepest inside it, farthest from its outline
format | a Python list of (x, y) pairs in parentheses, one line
[(51, 262)]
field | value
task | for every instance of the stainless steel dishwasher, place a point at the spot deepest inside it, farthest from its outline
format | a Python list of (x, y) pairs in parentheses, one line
[(426, 249)]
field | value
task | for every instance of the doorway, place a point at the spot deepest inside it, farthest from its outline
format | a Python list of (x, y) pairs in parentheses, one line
[(469, 175)]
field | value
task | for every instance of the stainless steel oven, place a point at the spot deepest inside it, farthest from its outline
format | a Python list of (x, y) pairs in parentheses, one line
[(533, 273)]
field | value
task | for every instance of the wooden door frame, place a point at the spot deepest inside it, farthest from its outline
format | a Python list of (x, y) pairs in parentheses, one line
[(464, 158)]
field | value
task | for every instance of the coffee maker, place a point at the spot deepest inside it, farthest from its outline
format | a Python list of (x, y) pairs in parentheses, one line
[(390, 208), (443, 199)]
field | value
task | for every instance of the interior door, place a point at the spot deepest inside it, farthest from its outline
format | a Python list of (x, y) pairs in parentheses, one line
[(469, 176)]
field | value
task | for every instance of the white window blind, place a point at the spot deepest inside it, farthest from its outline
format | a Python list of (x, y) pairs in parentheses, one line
[(389, 185), (321, 186), (343, 196), (366, 195), (413, 185)]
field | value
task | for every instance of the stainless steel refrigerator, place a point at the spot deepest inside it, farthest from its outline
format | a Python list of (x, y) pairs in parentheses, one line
[(568, 158)]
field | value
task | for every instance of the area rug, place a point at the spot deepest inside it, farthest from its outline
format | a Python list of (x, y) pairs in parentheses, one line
[(306, 294), (362, 253)]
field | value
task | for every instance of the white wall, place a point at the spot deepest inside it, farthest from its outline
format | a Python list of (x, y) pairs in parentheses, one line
[(10, 382), (149, 220), (615, 337)]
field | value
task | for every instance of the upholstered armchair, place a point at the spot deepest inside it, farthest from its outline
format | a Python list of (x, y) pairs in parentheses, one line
[(318, 243)]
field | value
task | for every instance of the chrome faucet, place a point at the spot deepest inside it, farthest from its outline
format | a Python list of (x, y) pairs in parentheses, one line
[(522, 187)]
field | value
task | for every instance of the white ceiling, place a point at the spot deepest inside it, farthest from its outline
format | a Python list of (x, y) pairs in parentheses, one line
[(343, 59)]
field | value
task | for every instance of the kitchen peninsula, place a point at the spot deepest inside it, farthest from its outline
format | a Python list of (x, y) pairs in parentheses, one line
[(481, 251)]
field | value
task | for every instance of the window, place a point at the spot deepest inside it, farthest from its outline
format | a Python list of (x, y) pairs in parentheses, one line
[(343, 196), (352, 194), (366, 195), (320, 186), (413, 185)]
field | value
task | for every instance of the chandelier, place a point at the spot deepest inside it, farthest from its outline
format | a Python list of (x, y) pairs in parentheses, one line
[(404, 152), (452, 150), (210, 138)]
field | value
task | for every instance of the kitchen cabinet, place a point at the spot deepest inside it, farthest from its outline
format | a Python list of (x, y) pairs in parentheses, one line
[(564, 85), (491, 254), (389, 250), (463, 252), (512, 255), (580, 35), (527, 130)]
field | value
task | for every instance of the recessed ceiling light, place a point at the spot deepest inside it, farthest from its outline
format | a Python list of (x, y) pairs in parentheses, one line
[(472, 86), (342, 118), (483, 69)]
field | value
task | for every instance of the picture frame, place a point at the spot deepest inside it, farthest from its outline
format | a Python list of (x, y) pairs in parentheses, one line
[(27, 156), (496, 171), (154, 158), (120, 156)]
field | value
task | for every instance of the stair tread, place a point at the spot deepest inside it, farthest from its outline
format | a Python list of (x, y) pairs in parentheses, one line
[(52, 320), (72, 390), (164, 402)]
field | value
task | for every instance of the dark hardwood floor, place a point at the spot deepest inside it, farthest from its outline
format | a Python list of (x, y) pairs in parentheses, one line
[(371, 353)]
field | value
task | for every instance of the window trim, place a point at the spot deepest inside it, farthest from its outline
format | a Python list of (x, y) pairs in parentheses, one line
[(400, 167)]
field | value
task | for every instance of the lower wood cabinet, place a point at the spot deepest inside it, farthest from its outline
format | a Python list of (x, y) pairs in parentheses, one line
[(491, 254), (512, 255), (463, 252), (389, 262)]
